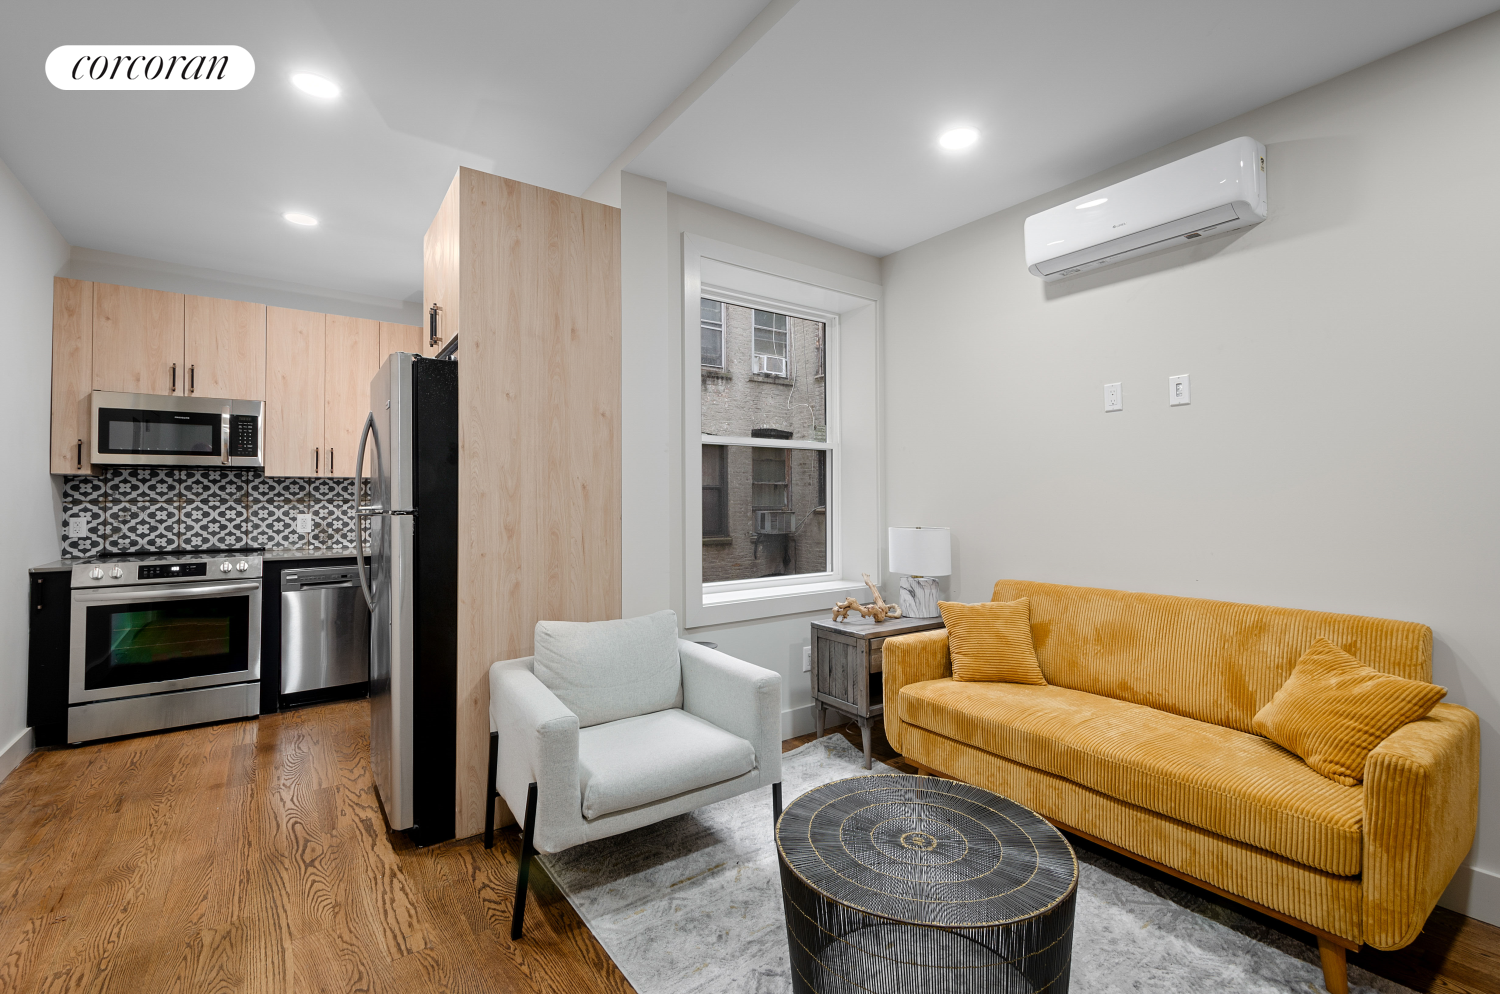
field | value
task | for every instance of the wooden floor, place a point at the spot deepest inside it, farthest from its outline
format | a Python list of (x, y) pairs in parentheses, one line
[(253, 857)]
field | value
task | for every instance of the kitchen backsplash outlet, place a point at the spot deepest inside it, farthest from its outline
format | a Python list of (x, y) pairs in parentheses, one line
[(135, 508)]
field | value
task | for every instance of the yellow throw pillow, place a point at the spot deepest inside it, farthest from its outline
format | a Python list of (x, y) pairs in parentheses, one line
[(992, 641), (1334, 709)]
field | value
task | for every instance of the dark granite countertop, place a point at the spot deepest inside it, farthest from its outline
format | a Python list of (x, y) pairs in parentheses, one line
[(64, 565)]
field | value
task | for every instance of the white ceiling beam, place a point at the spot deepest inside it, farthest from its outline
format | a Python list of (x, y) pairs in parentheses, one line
[(606, 189)]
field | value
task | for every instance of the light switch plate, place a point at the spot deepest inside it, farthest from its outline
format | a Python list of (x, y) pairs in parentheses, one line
[(78, 527), (1114, 400), (807, 659), (304, 524), (1177, 391)]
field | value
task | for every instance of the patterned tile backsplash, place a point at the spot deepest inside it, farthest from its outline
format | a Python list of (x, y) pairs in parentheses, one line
[(164, 510)]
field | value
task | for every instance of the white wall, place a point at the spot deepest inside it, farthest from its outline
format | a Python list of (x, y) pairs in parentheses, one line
[(31, 253), (1340, 449), (652, 224)]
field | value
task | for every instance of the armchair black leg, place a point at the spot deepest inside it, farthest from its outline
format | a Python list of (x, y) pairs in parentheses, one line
[(489, 809), (776, 802), (519, 915)]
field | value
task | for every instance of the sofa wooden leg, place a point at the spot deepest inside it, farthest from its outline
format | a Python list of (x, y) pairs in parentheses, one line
[(775, 802), (1335, 966), (489, 809), (518, 916)]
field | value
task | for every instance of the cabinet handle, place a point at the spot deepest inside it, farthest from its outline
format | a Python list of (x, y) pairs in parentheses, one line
[(316, 453), (432, 325), (174, 379), (192, 378), (80, 453), (330, 461)]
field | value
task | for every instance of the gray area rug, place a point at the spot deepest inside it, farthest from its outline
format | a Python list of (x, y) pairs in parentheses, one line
[(693, 904)]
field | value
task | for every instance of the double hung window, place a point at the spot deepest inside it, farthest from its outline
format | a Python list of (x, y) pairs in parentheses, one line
[(711, 328), (770, 344)]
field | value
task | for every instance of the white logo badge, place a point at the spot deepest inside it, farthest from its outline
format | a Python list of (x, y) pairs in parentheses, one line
[(150, 67)]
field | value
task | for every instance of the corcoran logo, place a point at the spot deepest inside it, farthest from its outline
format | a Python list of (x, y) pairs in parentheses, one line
[(150, 67)]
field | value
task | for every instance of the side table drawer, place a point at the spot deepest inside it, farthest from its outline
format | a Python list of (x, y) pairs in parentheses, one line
[(837, 671)]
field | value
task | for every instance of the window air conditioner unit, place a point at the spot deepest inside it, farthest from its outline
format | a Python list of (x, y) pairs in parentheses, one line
[(773, 364), (775, 522), (1217, 189)]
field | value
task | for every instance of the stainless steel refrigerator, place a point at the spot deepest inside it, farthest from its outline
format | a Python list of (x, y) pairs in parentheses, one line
[(411, 584)]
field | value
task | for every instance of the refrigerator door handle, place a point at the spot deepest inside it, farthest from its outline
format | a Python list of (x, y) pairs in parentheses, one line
[(359, 547)]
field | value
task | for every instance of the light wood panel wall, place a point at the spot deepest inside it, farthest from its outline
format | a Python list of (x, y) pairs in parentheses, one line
[(399, 338), (533, 279), (440, 251), (72, 372), (224, 348), (137, 340), (294, 392)]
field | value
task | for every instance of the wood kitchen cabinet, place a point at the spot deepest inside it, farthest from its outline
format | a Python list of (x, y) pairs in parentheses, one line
[(137, 340), (399, 338), (224, 348), (72, 372), (352, 350), (295, 359)]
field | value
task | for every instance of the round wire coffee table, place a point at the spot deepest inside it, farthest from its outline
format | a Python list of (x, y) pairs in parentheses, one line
[(901, 884)]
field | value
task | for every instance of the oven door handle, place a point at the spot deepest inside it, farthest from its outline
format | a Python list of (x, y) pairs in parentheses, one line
[(163, 592)]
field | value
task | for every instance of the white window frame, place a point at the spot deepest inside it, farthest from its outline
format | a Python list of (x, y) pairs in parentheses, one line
[(723, 339), (748, 278)]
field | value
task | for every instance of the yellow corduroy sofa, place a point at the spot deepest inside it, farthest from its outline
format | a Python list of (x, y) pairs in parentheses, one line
[(1142, 741)]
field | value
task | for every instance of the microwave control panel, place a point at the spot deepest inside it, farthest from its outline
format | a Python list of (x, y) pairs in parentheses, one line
[(244, 436)]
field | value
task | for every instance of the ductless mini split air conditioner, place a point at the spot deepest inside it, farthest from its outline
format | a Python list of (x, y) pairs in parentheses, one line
[(1217, 189)]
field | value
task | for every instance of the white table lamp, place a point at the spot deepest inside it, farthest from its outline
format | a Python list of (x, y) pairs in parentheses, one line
[(922, 553)]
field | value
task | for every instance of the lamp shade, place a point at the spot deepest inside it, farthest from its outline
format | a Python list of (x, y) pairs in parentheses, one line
[(921, 551)]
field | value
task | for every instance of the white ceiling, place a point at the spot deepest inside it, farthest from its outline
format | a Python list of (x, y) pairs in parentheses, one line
[(827, 125)]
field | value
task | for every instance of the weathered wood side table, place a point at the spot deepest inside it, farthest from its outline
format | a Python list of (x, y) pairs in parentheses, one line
[(846, 668)]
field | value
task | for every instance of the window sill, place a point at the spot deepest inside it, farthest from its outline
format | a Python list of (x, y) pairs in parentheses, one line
[(772, 378), (717, 373), (731, 606)]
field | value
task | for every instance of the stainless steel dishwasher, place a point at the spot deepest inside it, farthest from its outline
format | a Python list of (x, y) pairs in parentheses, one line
[(325, 630)]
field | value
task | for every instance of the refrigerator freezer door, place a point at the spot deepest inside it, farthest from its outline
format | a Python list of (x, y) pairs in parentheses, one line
[(391, 535)]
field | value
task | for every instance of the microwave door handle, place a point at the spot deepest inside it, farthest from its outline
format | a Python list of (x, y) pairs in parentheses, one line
[(164, 592), (224, 436)]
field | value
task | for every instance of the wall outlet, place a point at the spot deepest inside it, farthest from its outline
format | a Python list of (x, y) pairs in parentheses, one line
[(304, 524), (1177, 391), (78, 527), (807, 659), (1114, 400)]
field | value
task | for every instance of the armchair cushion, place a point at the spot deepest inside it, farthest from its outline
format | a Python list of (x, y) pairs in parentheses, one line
[(608, 670), (651, 757)]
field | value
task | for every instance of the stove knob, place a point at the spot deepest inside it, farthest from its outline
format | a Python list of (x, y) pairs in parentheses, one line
[(96, 574), (225, 567), (242, 566), (116, 573)]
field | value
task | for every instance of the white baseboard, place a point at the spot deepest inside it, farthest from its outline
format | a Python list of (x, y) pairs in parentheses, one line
[(19, 749), (796, 721), (1474, 892)]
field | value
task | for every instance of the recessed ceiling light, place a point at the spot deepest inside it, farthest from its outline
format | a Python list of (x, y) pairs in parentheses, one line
[(296, 218), (1092, 203), (958, 138), (316, 85)]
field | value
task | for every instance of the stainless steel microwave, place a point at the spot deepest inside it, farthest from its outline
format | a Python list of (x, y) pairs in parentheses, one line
[(141, 429)]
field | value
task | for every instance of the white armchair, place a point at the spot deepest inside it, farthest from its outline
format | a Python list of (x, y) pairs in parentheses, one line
[(613, 725)]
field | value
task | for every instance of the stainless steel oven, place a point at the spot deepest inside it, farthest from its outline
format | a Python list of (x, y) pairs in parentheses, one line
[(162, 641), (147, 429)]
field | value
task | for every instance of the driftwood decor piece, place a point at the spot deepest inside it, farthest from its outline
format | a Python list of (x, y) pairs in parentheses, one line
[(879, 610)]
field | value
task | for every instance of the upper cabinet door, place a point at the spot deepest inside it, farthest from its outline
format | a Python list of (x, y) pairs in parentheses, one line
[(352, 351), (399, 338), (225, 348), (137, 340), (72, 372), (294, 393)]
